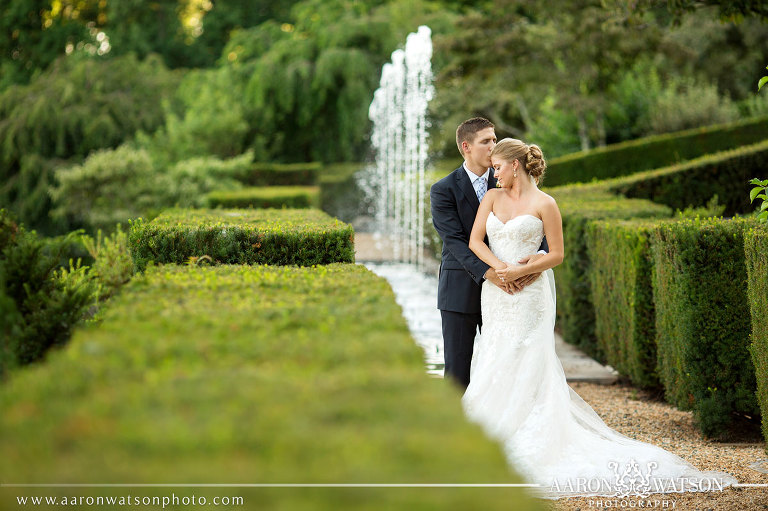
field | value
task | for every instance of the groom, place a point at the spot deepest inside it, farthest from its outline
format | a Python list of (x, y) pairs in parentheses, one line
[(455, 200)]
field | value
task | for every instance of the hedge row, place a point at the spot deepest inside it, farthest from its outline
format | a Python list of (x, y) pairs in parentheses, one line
[(653, 152), (694, 183), (237, 374), (579, 206), (270, 236), (282, 174), (266, 197), (621, 284), (756, 251), (702, 319)]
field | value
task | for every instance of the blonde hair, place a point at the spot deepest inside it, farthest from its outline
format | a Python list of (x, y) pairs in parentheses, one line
[(530, 156)]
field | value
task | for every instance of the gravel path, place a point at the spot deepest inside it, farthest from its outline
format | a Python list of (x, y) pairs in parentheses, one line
[(638, 415)]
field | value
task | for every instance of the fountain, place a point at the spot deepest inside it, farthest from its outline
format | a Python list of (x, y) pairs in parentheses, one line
[(395, 184)]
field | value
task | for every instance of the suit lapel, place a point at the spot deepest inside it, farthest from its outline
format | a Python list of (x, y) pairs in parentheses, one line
[(465, 185)]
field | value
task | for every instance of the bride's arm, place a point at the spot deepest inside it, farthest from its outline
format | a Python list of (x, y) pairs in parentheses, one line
[(477, 237), (553, 230)]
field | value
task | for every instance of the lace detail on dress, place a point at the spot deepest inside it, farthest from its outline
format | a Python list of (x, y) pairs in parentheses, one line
[(518, 393)]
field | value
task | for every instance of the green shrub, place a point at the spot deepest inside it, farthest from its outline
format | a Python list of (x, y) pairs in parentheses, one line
[(653, 152), (252, 375), (687, 104), (702, 326), (756, 251), (73, 108), (112, 265), (695, 182), (621, 283), (188, 181), (207, 117), (114, 185), (266, 197), (111, 186), (579, 205), (267, 236), (40, 302), (282, 174)]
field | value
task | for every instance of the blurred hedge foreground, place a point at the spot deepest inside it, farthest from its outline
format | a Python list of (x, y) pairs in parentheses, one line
[(250, 374)]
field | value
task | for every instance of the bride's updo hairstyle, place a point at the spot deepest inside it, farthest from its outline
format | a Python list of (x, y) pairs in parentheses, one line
[(529, 156)]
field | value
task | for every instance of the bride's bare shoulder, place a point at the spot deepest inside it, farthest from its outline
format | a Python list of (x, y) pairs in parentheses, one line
[(545, 199)]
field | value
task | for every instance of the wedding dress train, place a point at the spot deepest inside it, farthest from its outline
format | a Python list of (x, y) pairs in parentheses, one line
[(519, 395)]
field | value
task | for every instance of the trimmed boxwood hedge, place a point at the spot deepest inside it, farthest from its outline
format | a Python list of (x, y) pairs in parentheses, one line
[(756, 252), (702, 319), (266, 197), (694, 183), (242, 236), (622, 295), (579, 205), (653, 152), (238, 374), (282, 174)]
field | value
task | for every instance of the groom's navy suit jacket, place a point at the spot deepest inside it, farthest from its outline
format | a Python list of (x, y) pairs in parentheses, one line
[(454, 207)]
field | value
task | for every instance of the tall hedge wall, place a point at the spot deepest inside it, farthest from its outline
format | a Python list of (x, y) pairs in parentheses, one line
[(702, 320), (579, 206), (756, 252), (283, 174), (622, 295), (653, 152), (238, 374), (694, 183)]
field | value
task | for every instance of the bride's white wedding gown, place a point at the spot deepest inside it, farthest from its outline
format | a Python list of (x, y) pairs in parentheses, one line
[(519, 395)]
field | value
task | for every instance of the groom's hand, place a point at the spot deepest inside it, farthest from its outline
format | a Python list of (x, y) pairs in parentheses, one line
[(524, 281), (492, 277)]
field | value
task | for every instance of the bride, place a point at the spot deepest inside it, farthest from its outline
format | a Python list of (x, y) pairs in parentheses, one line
[(517, 390)]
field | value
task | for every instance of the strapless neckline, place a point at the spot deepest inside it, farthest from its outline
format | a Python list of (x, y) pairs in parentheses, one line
[(515, 218)]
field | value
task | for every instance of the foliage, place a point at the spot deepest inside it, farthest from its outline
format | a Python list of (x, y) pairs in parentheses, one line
[(255, 236), (695, 182), (31, 37), (112, 186), (75, 107), (205, 362), (620, 278), (78, 106), (267, 197), (760, 191), (40, 302), (187, 182), (206, 117), (583, 75), (308, 82), (688, 103), (276, 174), (653, 152), (580, 205), (762, 81), (702, 320), (109, 187), (113, 265), (756, 250), (727, 9)]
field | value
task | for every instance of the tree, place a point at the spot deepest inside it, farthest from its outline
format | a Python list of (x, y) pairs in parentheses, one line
[(33, 34)]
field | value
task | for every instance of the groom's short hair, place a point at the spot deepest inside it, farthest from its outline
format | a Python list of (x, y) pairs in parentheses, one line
[(468, 129)]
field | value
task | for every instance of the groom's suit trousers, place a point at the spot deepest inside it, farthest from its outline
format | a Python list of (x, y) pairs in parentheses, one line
[(454, 207)]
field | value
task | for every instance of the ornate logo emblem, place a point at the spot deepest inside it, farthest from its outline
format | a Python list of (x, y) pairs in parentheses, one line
[(632, 481)]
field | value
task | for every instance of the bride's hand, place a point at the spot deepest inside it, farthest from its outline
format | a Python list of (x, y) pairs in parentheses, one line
[(523, 281), (508, 274)]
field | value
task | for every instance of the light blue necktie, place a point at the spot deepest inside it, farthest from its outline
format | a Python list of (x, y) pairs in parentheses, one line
[(481, 186)]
